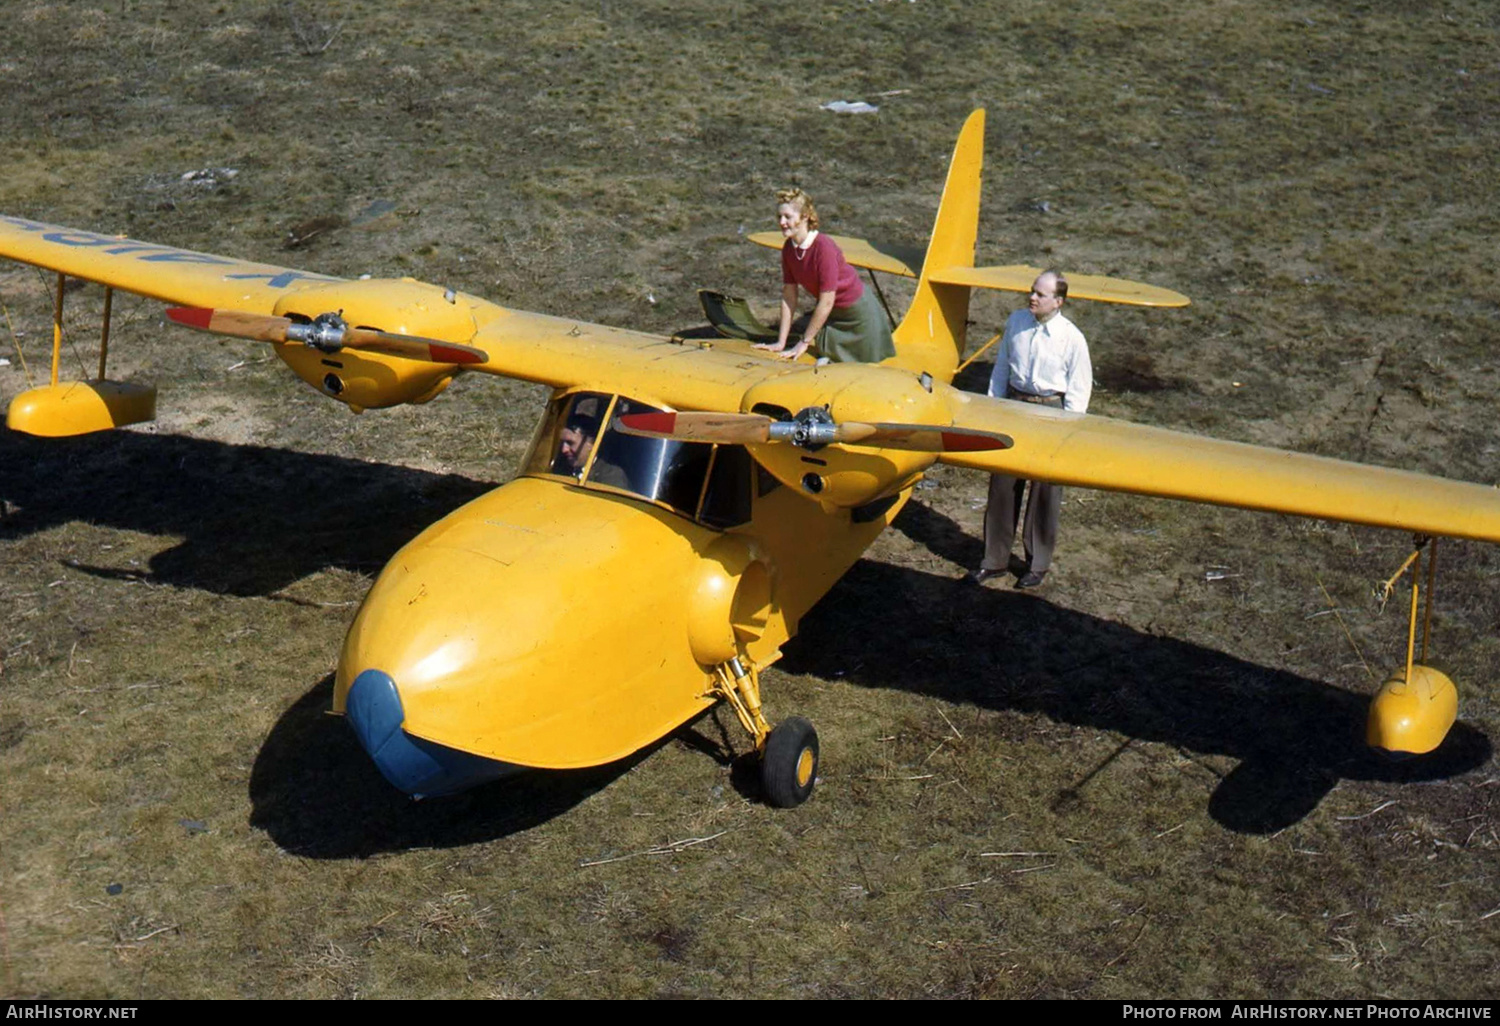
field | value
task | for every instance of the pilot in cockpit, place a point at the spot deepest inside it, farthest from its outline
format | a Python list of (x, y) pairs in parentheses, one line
[(575, 444)]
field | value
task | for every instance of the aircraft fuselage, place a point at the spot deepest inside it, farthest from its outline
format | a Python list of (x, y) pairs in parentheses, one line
[(558, 623)]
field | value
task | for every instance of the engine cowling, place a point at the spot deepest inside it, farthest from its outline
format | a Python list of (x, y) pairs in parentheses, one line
[(852, 476), (368, 380)]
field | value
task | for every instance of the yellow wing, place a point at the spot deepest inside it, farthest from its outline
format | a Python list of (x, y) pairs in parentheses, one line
[(556, 351), (1097, 452), (552, 350), (178, 276), (907, 262), (1071, 449), (691, 374)]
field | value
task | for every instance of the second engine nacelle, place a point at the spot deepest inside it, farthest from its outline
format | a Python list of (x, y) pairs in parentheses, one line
[(839, 475), (368, 380)]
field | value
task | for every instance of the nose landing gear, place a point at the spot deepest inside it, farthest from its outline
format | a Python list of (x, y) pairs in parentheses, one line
[(789, 763), (788, 752)]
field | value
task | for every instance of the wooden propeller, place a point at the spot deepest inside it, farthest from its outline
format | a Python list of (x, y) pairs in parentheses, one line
[(328, 332), (810, 428)]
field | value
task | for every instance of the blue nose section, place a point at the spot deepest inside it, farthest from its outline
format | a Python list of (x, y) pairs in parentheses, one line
[(420, 768)]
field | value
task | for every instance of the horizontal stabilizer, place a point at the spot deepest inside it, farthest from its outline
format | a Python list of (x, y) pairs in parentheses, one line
[(905, 261), (1020, 277)]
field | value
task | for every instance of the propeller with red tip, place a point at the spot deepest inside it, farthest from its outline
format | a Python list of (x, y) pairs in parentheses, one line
[(811, 428), (327, 332)]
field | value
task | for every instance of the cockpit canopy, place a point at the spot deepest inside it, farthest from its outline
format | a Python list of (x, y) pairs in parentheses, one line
[(579, 439)]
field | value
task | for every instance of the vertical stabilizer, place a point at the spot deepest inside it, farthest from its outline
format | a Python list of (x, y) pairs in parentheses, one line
[(931, 336)]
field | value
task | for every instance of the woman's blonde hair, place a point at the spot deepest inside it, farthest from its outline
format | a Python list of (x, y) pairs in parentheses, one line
[(802, 201)]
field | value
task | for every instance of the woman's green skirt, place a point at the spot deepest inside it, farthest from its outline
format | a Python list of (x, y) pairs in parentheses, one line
[(860, 333)]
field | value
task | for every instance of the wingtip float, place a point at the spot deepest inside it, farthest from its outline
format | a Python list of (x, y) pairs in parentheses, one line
[(681, 508)]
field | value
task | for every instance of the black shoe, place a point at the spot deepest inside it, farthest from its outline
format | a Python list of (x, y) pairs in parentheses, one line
[(1030, 579), (981, 575)]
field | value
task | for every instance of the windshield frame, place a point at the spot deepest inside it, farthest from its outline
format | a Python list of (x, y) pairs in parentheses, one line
[(662, 460)]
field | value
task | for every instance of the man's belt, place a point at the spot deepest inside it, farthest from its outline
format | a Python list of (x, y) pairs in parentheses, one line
[(1050, 399)]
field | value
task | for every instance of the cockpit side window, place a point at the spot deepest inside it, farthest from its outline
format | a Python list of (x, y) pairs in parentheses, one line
[(568, 434), (656, 468), (580, 438), (726, 500)]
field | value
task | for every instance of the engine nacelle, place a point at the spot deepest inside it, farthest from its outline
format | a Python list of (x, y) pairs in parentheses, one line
[(854, 475), (367, 380)]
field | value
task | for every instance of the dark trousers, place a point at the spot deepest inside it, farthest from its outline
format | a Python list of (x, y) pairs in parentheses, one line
[(1039, 537)]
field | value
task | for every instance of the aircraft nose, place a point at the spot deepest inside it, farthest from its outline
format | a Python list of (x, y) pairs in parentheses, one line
[(419, 768)]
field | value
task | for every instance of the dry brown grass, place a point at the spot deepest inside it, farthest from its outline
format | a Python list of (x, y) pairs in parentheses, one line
[(178, 817)]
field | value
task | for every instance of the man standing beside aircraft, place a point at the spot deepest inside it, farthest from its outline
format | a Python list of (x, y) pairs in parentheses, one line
[(1043, 359)]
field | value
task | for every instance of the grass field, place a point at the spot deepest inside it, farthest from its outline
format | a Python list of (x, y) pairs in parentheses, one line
[(1145, 781)]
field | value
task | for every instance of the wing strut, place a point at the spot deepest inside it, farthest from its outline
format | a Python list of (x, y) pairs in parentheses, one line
[(1413, 711), (109, 304), (57, 307), (78, 407)]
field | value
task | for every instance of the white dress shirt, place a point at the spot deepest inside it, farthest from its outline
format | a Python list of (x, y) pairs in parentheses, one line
[(1047, 358)]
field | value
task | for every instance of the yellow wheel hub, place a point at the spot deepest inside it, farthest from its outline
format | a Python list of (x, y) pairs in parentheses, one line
[(805, 766)]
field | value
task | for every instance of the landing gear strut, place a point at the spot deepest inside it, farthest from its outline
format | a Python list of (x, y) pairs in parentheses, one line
[(788, 752)]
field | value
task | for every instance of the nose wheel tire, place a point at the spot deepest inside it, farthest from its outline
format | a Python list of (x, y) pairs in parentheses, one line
[(789, 764)]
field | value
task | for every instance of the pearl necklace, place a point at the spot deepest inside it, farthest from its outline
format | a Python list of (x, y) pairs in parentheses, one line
[(800, 252)]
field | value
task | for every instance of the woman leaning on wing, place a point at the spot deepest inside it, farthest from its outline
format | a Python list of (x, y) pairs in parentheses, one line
[(847, 325)]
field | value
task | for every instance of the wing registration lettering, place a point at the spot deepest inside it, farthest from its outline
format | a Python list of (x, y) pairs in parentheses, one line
[(194, 279)]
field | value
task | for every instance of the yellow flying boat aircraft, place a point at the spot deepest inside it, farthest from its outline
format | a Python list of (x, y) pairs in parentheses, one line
[(683, 504)]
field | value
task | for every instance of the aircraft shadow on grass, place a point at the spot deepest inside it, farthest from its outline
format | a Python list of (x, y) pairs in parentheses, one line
[(317, 794), (253, 520), (1295, 738)]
